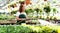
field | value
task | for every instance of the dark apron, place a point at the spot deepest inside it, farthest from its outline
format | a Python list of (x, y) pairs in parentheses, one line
[(21, 21)]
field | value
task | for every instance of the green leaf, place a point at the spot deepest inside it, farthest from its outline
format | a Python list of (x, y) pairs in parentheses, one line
[(54, 10), (47, 9)]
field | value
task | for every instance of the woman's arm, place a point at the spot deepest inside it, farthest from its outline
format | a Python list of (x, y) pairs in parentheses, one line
[(18, 18)]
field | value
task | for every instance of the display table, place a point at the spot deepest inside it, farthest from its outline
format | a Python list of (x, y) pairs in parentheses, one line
[(57, 21), (7, 22)]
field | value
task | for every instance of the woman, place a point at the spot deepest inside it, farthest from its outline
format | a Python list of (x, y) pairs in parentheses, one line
[(21, 15)]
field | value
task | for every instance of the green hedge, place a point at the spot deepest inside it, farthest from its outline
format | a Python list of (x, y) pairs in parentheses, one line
[(25, 29), (14, 29)]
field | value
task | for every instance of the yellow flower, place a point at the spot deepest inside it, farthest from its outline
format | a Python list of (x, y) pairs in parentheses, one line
[(8, 9), (31, 27), (58, 30), (36, 29)]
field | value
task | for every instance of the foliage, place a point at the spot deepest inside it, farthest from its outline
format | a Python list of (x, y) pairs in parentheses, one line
[(37, 9), (29, 11), (5, 17), (26, 29), (22, 0), (47, 9), (54, 31), (14, 12), (54, 10), (40, 11)]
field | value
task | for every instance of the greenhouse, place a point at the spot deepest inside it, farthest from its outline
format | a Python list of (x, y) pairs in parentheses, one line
[(29, 16)]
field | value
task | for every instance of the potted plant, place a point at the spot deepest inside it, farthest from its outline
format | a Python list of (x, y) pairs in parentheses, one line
[(37, 10), (47, 9), (54, 11), (29, 11), (40, 13), (13, 12)]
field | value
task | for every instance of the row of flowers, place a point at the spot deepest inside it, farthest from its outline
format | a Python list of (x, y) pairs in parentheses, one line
[(28, 29)]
